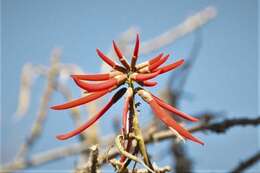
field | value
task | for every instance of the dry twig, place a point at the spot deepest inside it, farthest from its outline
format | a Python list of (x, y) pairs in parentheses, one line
[(247, 163), (60, 153)]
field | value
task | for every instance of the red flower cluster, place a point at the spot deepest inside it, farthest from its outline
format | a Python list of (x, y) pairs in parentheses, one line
[(126, 74)]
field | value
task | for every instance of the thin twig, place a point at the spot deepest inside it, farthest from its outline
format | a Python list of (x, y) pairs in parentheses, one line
[(241, 167), (219, 127)]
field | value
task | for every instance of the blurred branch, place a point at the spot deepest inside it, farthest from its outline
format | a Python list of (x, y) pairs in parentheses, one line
[(187, 67), (182, 162), (45, 157), (28, 75), (92, 164), (242, 166), (42, 112), (170, 36), (223, 126), (219, 127), (73, 149), (213, 127)]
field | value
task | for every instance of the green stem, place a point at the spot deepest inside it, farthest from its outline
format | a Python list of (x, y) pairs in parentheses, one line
[(136, 129)]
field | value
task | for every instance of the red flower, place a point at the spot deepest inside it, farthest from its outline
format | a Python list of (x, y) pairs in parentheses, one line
[(120, 75)]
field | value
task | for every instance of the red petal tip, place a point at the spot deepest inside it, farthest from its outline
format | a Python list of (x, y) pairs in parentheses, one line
[(174, 110), (54, 108), (158, 63), (106, 59), (136, 49), (155, 59), (120, 56), (150, 83), (61, 137), (171, 66), (117, 50), (163, 116), (92, 77)]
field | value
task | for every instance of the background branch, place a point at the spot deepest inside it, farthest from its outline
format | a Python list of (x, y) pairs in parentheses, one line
[(241, 167), (63, 152)]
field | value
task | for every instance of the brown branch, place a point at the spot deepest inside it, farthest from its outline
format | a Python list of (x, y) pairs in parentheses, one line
[(182, 162), (77, 148), (247, 163), (60, 153), (213, 127), (223, 126), (219, 127)]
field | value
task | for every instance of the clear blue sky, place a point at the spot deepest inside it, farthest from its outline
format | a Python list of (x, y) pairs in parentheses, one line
[(224, 77)]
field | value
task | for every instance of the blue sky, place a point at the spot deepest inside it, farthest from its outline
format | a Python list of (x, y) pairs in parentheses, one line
[(224, 78)]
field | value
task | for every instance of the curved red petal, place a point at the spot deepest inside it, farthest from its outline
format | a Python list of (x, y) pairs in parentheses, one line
[(149, 62), (92, 77), (83, 127), (163, 116), (136, 50), (148, 83), (106, 59), (158, 63), (155, 59), (120, 56), (91, 87), (171, 66), (117, 50), (174, 110), (80, 101), (143, 77)]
